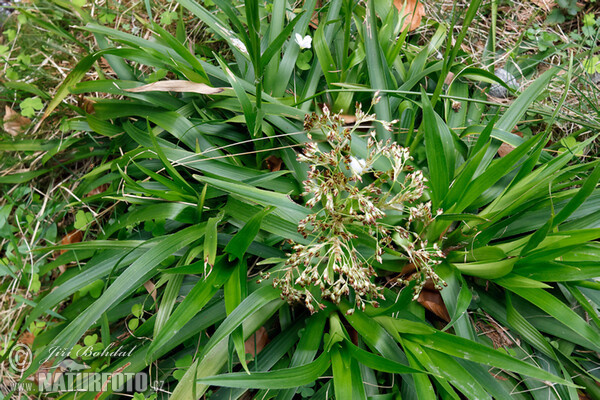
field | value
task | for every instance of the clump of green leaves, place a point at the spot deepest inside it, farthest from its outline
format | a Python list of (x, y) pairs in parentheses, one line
[(30, 105), (566, 9), (543, 39)]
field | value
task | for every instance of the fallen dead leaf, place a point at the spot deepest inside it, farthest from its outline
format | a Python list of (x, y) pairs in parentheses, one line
[(100, 189), (506, 148), (314, 21), (546, 5), (105, 65), (176, 86), (256, 342), (74, 236), (273, 163), (86, 104), (433, 302), (26, 338), (412, 10), (14, 123), (151, 288), (348, 119), (449, 78)]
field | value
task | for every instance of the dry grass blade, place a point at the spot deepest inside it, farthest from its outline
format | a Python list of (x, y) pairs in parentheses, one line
[(176, 86), (546, 5)]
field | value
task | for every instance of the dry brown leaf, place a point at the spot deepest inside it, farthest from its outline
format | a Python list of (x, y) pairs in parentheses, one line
[(256, 342), (74, 236), (433, 302), (86, 104), (151, 288), (14, 123), (273, 163), (506, 148), (176, 86), (546, 5), (100, 189), (105, 66), (449, 78), (348, 119), (412, 10), (26, 338), (314, 21)]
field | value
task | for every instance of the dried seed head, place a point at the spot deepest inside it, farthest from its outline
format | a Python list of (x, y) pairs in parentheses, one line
[(330, 264)]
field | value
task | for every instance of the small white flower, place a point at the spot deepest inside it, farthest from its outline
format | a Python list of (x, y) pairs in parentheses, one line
[(303, 42), (357, 165), (239, 44)]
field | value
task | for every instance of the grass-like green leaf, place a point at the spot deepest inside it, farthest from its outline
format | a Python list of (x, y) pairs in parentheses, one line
[(278, 379), (469, 350), (195, 300), (134, 276)]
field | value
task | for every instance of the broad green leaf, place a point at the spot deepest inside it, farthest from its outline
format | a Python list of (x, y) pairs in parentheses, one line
[(286, 208), (216, 358), (444, 366), (234, 291), (492, 174), (307, 348), (421, 384), (472, 351), (195, 300), (97, 268), (210, 240), (247, 107), (342, 373), (526, 330), (487, 269), (169, 167), (514, 280), (238, 245), (379, 363), (377, 68), (251, 304), (182, 51), (560, 311), (269, 356), (288, 62), (167, 302), (559, 271), (441, 153), (74, 77), (576, 201), (519, 107), (277, 43), (133, 277), (278, 379)]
